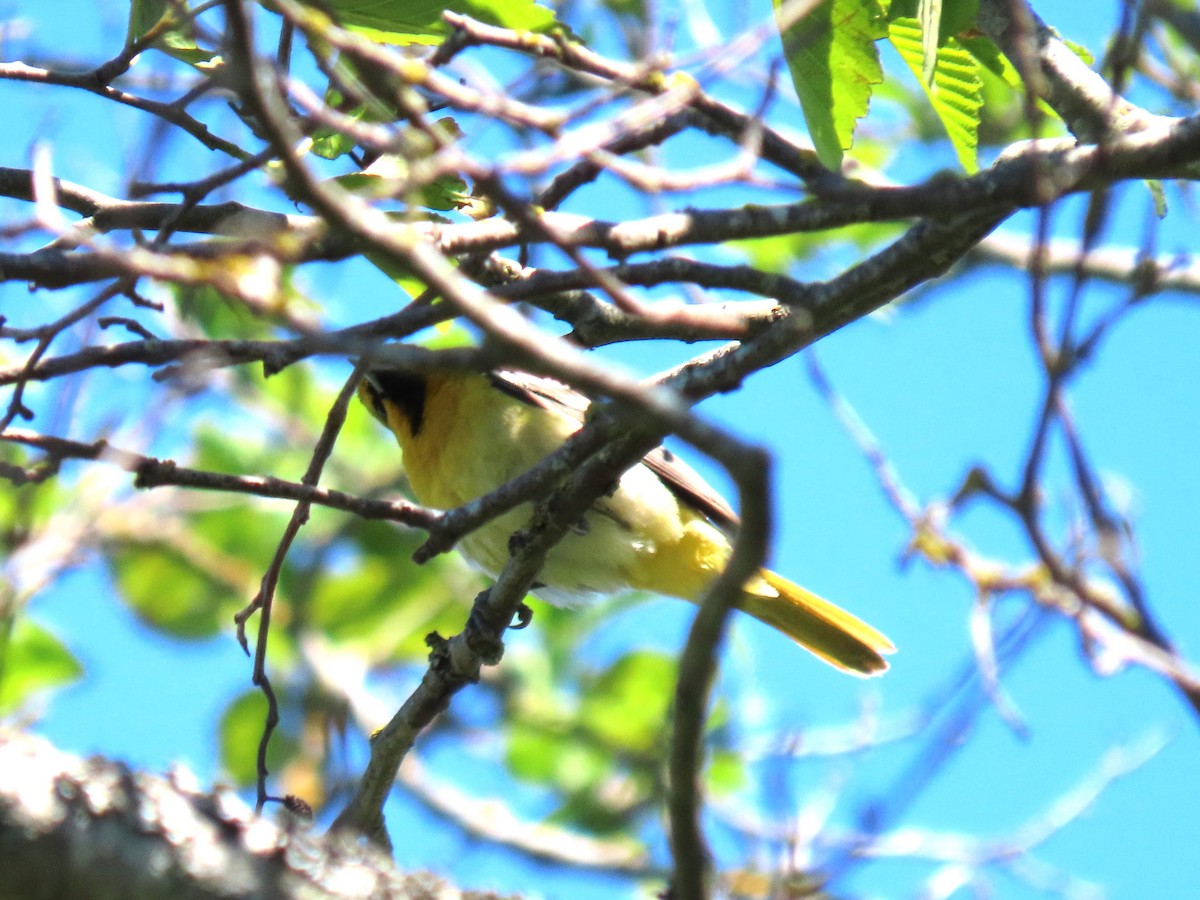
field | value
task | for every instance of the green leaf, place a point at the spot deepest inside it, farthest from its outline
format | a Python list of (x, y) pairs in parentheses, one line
[(595, 812), (540, 754), (329, 143), (627, 705), (176, 40), (31, 660), (956, 92), (726, 772), (834, 63), (1159, 196), (1081, 51), (446, 193), (387, 604), (420, 21), (958, 19), (167, 591), (241, 729), (781, 253)]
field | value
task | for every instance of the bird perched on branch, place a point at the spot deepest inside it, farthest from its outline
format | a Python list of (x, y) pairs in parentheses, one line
[(663, 529)]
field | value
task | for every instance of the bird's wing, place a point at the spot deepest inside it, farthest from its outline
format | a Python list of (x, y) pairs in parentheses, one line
[(682, 480)]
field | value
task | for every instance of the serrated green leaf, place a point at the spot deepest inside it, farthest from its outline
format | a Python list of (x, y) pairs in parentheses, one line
[(1005, 109), (32, 660), (956, 92), (420, 21), (240, 731), (834, 64)]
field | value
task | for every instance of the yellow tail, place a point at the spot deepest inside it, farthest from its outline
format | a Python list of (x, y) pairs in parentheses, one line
[(837, 637)]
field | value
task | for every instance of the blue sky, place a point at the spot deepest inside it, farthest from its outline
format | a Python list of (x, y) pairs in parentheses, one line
[(943, 384)]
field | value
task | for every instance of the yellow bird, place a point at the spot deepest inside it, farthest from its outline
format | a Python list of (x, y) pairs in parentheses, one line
[(662, 530)]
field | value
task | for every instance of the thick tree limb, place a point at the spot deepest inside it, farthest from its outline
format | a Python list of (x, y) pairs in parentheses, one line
[(95, 829)]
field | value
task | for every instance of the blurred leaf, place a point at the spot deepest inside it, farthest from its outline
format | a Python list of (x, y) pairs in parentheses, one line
[(627, 704), (781, 253), (448, 192), (598, 812), (569, 765), (189, 581), (23, 509), (239, 531), (170, 593), (329, 143), (241, 729), (634, 8), (1080, 50), (834, 63), (958, 17), (387, 604), (296, 393), (220, 316), (726, 772), (31, 660), (176, 41), (1158, 195)]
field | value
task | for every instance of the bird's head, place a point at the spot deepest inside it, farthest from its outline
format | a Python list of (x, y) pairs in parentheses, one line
[(395, 397)]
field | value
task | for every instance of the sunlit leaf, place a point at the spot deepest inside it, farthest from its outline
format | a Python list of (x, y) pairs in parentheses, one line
[(834, 63), (956, 89), (420, 21), (726, 772)]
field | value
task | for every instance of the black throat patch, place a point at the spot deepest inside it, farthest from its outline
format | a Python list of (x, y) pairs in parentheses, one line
[(405, 389)]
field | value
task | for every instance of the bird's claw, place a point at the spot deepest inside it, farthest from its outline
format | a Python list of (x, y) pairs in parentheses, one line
[(522, 617)]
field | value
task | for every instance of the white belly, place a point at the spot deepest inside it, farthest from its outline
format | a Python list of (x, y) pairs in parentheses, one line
[(597, 556)]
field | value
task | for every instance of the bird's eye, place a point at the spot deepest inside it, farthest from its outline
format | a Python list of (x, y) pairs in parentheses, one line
[(376, 401), (373, 398)]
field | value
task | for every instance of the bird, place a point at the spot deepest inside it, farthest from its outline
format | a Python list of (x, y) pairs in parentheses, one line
[(662, 529)]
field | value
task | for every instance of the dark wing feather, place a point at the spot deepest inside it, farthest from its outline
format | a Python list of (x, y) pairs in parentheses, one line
[(688, 485), (682, 480)]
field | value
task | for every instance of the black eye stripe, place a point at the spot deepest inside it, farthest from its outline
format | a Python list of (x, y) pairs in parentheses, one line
[(405, 390)]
